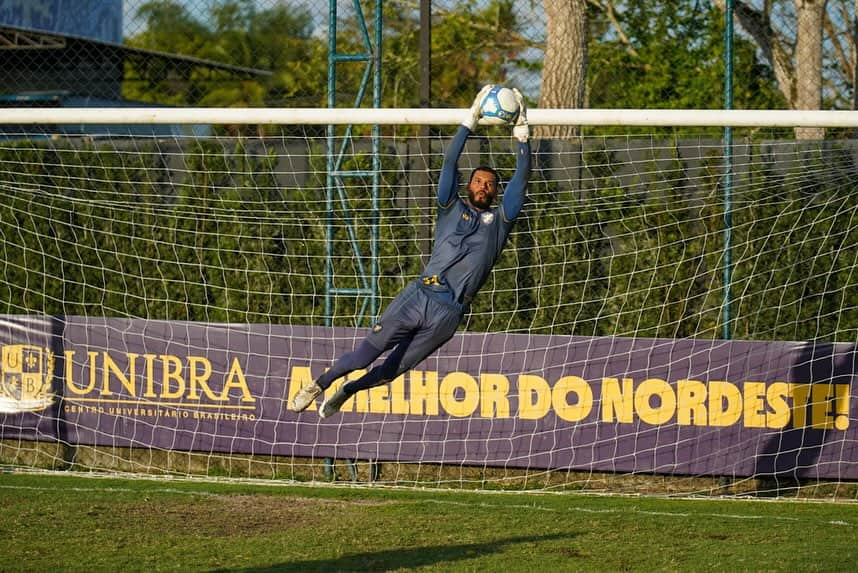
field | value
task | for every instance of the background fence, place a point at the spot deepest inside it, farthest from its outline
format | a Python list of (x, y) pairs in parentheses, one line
[(598, 53)]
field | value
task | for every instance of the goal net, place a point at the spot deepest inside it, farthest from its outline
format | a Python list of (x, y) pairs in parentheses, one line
[(671, 313)]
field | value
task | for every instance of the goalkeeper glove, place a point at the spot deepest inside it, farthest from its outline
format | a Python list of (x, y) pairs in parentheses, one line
[(521, 131), (475, 112)]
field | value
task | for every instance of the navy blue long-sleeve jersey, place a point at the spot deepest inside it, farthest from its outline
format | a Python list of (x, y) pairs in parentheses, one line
[(468, 241), (426, 314)]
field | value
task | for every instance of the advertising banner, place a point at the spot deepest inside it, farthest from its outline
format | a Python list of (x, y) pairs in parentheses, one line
[(687, 407)]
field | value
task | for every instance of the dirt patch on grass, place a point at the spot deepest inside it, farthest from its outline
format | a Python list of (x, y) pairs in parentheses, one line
[(236, 515)]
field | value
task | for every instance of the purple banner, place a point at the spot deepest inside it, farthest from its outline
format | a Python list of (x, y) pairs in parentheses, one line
[(689, 407)]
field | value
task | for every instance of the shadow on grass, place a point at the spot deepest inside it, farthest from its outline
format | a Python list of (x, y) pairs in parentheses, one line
[(411, 557)]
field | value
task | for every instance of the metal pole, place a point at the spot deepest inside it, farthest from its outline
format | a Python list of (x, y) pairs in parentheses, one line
[(424, 203), (336, 187), (728, 173), (330, 180), (376, 165)]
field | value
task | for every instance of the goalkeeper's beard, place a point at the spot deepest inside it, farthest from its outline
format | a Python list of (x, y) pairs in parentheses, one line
[(480, 199)]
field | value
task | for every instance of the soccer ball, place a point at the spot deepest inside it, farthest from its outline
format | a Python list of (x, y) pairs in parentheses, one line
[(499, 107)]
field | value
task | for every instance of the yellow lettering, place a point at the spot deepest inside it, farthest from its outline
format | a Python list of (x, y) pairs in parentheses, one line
[(776, 395), (691, 403), (150, 376), (800, 397), (172, 371), (378, 399), (841, 406), (398, 403), (725, 404), (583, 404), (754, 404), (423, 393), (471, 394), (661, 413), (534, 397), (110, 367), (616, 403), (11, 360), (493, 396), (197, 378), (69, 360), (820, 406), (236, 379)]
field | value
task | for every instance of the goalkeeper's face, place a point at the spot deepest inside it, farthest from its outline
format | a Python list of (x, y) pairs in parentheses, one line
[(482, 189)]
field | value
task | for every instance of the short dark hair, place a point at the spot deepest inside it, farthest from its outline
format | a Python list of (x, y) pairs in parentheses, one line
[(489, 170)]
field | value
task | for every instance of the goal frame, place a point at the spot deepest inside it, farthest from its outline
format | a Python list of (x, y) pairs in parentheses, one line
[(417, 116), (440, 117)]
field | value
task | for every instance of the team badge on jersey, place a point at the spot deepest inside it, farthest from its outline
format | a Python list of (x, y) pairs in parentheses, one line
[(487, 217), (377, 327), (466, 217)]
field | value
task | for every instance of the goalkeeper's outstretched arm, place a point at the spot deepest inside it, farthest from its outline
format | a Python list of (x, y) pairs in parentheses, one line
[(448, 182), (513, 196)]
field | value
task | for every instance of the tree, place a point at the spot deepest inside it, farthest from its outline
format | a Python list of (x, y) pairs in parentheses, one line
[(670, 54), (841, 29), (796, 61), (565, 69)]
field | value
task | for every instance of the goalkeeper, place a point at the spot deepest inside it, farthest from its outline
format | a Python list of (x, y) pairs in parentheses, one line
[(469, 237)]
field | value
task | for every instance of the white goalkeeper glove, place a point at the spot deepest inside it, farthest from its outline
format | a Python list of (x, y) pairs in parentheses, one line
[(475, 112), (521, 131)]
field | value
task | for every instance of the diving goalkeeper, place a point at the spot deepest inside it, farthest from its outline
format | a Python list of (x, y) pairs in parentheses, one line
[(469, 237)]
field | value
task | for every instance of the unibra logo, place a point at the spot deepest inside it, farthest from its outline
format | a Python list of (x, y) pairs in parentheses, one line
[(25, 378), (131, 384)]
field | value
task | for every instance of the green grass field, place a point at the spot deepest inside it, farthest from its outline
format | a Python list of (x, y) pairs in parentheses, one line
[(56, 522)]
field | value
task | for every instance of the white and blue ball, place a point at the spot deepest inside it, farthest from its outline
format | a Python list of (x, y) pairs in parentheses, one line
[(500, 106)]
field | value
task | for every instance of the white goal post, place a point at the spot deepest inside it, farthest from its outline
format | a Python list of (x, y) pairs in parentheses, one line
[(164, 293), (416, 116)]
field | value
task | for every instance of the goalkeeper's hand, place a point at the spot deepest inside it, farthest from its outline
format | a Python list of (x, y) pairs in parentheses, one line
[(521, 131), (474, 113)]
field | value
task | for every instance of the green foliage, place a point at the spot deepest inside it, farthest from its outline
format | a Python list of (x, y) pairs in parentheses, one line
[(674, 59), (804, 229), (278, 39), (472, 44), (668, 55)]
